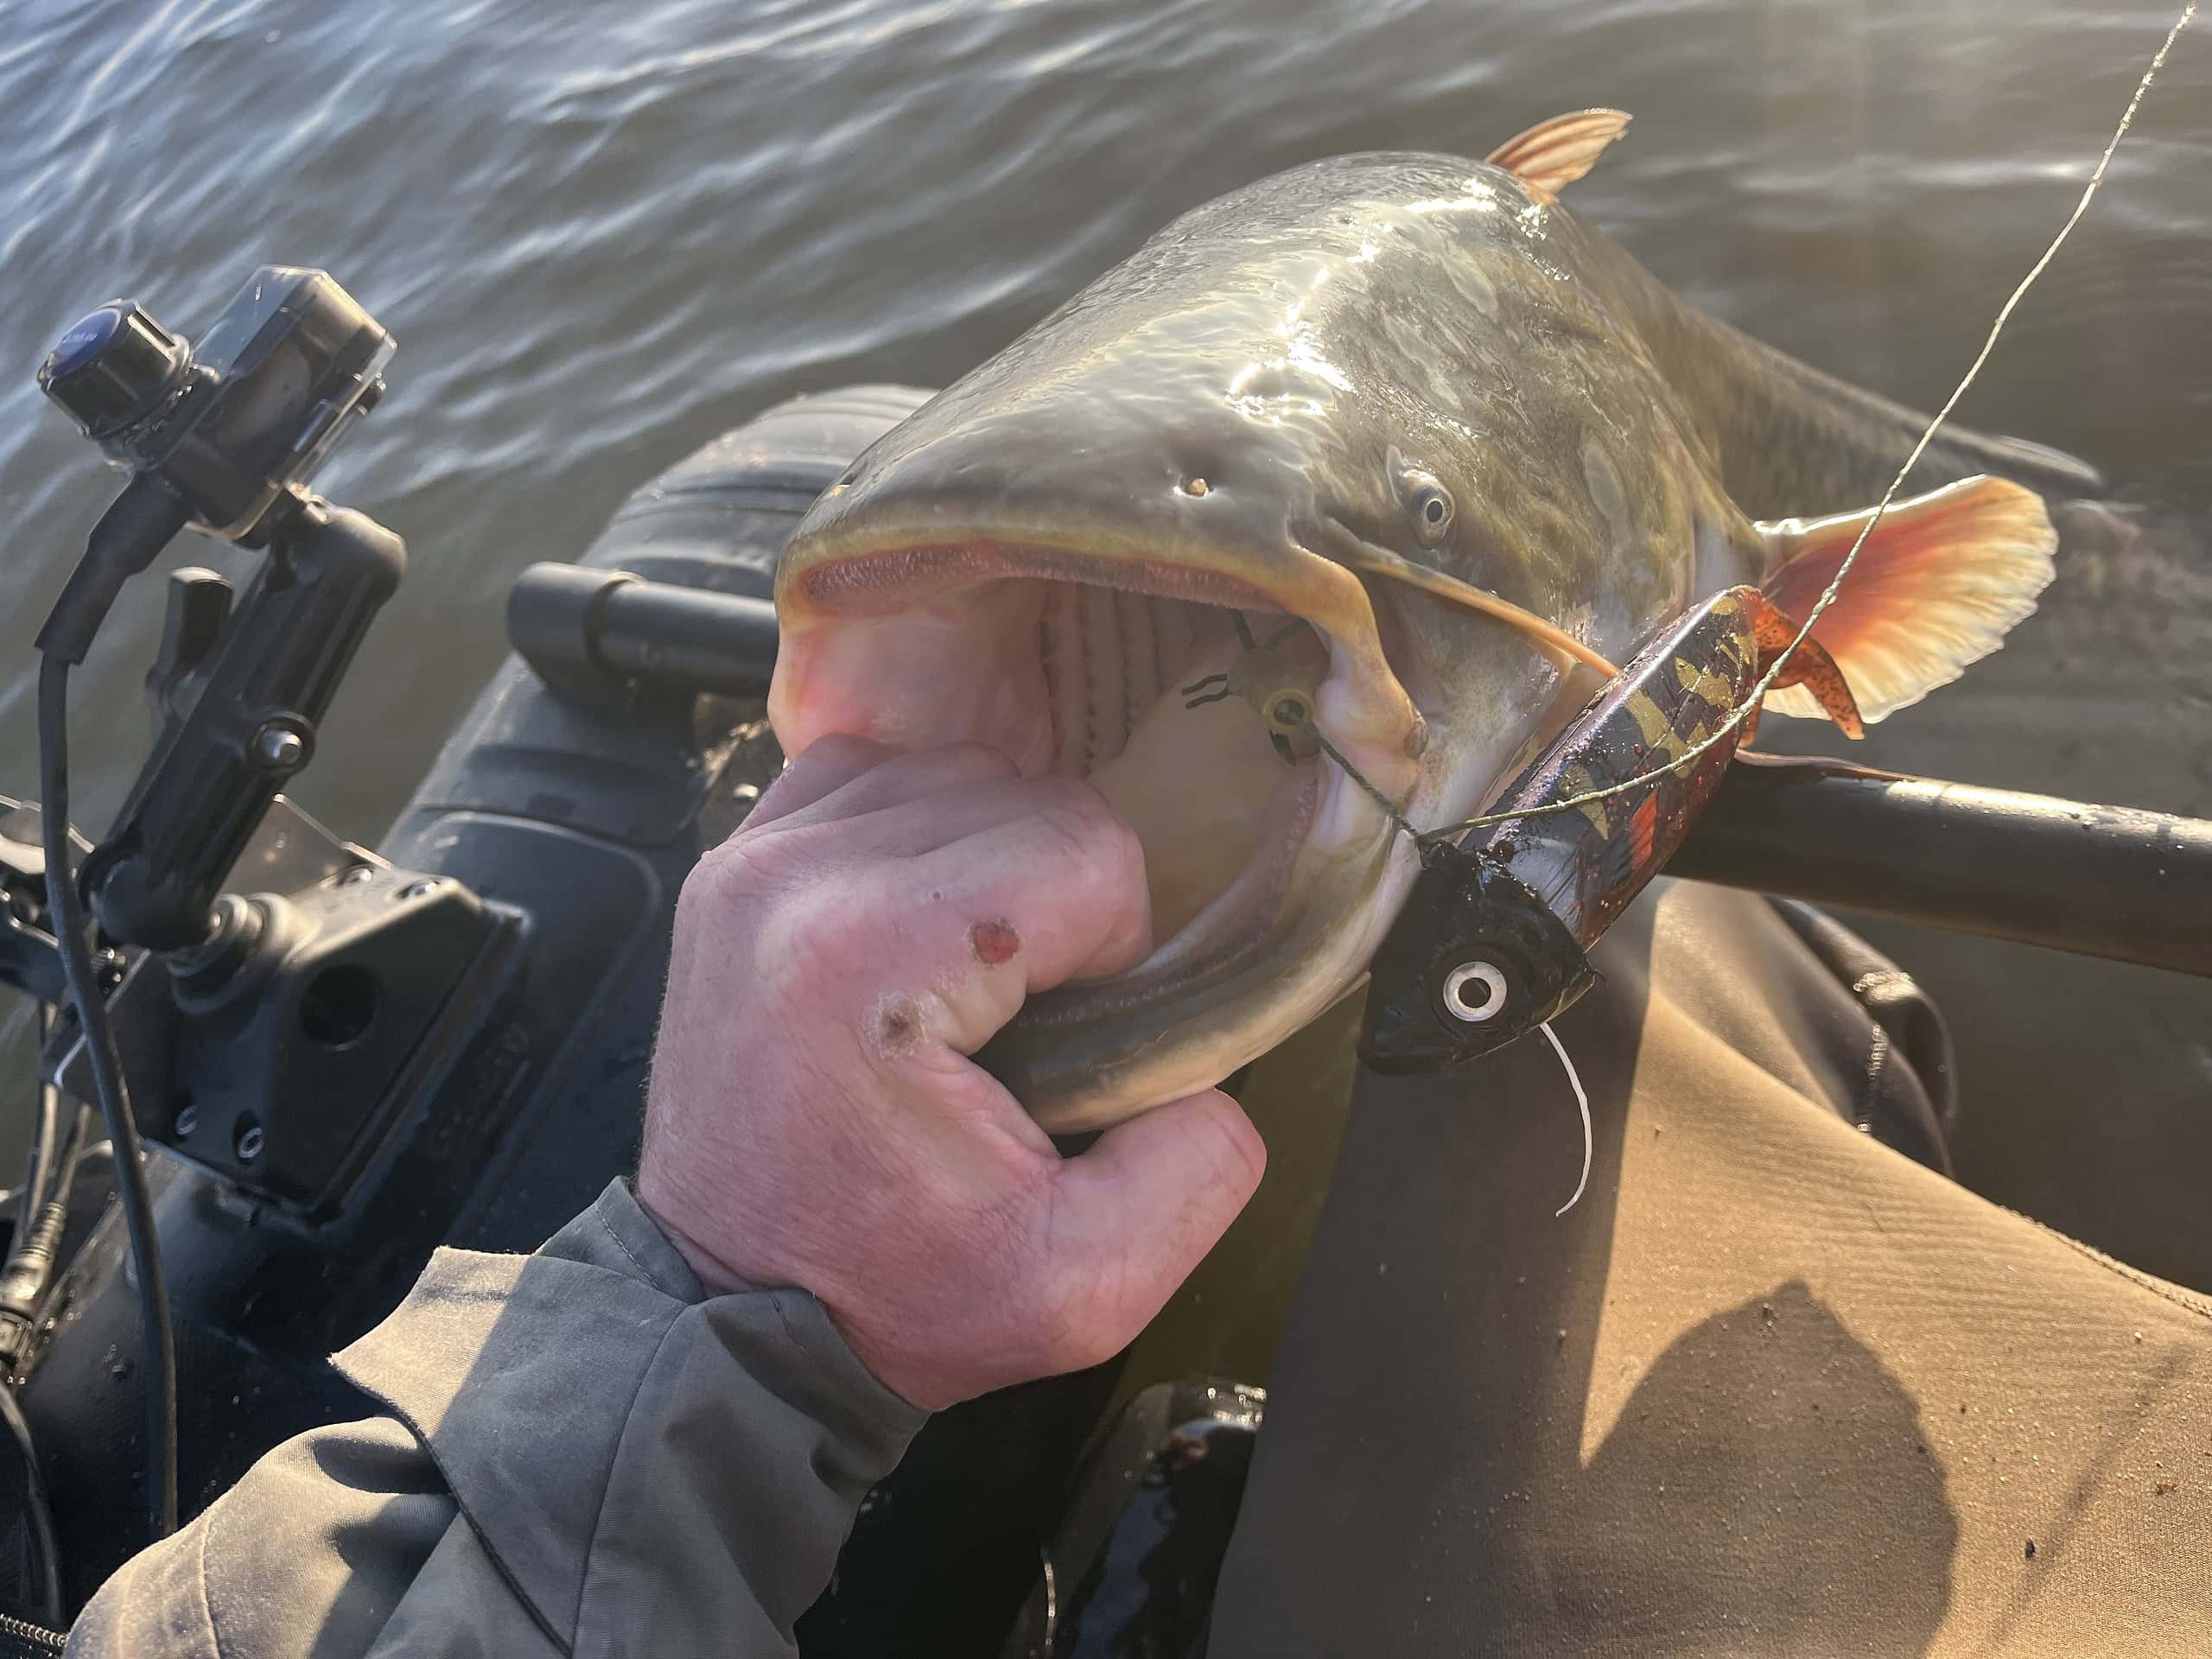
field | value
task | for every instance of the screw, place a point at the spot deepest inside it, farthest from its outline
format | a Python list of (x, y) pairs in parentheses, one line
[(186, 1122), (279, 746), (249, 1146), (419, 889), (359, 874)]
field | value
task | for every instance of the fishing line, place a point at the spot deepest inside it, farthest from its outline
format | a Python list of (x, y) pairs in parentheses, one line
[(1389, 810), (1582, 1100), (1835, 583)]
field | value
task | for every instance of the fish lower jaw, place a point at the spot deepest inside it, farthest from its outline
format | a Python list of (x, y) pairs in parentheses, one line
[(1086, 1057)]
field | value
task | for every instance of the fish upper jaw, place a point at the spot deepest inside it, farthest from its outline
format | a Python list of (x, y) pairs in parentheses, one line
[(859, 599)]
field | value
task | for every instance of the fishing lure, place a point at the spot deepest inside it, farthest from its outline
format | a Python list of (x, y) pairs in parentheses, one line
[(1495, 936)]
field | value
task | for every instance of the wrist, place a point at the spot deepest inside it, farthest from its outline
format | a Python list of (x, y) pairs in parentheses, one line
[(715, 1276)]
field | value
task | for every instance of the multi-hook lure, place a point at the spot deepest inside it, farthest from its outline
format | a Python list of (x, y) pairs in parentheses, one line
[(1494, 936)]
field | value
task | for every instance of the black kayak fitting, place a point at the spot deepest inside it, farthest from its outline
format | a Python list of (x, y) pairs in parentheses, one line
[(2110, 882)]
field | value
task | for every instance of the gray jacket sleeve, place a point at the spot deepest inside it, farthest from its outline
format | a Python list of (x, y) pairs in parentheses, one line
[(583, 1454)]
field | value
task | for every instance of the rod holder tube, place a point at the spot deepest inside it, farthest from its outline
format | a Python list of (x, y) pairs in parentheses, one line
[(2112, 882)]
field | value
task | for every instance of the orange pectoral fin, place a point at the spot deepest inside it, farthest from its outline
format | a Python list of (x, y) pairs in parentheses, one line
[(1554, 154), (1937, 583), (1809, 666)]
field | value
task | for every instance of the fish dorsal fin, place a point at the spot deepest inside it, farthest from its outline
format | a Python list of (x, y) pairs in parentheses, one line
[(1936, 587), (1554, 154)]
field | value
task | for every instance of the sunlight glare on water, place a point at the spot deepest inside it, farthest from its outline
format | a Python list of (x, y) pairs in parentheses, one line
[(602, 240)]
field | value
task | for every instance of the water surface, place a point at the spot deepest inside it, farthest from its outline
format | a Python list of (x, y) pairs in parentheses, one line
[(604, 235)]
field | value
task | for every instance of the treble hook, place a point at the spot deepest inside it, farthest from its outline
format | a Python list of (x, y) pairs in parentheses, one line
[(1281, 688), (1196, 686)]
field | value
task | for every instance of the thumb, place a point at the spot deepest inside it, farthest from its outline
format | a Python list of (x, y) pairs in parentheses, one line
[(1137, 1211)]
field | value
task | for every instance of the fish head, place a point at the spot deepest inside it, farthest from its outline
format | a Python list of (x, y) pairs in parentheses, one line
[(1137, 543)]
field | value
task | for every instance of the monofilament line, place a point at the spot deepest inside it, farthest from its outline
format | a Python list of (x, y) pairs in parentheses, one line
[(1835, 583), (1389, 809), (1581, 1100)]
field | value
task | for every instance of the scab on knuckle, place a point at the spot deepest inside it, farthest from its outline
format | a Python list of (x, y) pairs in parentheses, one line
[(894, 1027)]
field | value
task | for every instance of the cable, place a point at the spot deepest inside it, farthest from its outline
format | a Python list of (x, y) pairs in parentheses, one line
[(137, 525), (37, 1247), (38, 1173), (68, 912), (39, 1183), (45, 1132), (41, 1513)]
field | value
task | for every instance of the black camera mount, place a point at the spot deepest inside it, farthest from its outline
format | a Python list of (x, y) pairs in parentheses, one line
[(222, 435)]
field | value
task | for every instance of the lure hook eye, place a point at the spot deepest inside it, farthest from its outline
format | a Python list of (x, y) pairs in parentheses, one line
[(1474, 992)]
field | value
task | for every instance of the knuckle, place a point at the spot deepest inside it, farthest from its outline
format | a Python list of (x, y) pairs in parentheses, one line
[(976, 760), (1067, 1330), (745, 870), (767, 890), (1100, 837), (816, 935), (836, 752), (719, 880), (1076, 1327)]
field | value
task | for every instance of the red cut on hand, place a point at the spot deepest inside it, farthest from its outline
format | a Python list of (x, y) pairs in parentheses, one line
[(813, 1119)]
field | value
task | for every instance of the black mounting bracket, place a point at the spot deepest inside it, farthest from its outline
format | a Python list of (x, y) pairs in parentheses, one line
[(277, 1052)]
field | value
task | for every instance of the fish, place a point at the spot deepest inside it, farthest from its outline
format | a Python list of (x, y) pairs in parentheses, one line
[(1439, 452)]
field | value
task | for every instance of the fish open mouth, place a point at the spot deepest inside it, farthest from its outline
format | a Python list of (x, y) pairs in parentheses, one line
[(1200, 705)]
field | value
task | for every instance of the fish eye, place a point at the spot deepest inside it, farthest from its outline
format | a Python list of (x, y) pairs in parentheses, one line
[(1430, 506), (1473, 992)]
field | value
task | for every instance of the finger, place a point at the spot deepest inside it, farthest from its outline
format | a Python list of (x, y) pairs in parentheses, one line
[(828, 765), (898, 779), (1070, 874), (1133, 1215), (941, 949), (976, 925)]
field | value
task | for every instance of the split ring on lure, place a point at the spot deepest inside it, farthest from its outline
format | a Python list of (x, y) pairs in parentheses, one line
[(1493, 939), (1282, 689)]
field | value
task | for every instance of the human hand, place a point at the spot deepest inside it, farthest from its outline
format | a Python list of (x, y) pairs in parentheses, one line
[(813, 1120)]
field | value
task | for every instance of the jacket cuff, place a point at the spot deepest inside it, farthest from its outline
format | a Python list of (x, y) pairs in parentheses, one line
[(611, 1431)]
